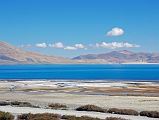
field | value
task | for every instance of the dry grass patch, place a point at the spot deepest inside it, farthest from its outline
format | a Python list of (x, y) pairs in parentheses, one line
[(6, 116), (22, 104), (17, 104), (153, 114), (47, 116), (44, 116), (136, 90), (57, 106), (114, 118), (123, 111), (91, 108), (69, 117)]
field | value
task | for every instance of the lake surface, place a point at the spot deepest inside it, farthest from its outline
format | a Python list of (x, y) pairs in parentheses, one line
[(81, 72)]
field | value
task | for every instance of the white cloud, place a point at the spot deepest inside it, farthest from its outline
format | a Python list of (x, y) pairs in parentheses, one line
[(115, 32), (41, 45), (61, 45), (109, 45), (70, 48), (57, 45), (80, 46), (75, 47), (114, 45)]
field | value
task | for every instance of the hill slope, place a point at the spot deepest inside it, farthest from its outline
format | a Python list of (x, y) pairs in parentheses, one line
[(121, 57), (12, 55)]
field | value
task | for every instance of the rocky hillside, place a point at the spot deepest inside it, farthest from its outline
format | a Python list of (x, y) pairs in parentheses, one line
[(121, 57), (12, 55)]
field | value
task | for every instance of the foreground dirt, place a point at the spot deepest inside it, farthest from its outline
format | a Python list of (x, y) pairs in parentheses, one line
[(133, 95)]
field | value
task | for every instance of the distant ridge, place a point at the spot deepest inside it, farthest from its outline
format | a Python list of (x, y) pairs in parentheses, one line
[(9, 54), (123, 56)]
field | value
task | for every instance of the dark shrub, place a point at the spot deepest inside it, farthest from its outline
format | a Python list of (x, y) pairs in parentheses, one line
[(24, 116), (123, 111), (3, 103), (47, 116), (44, 116), (91, 108), (88, 118), (69, 117), (57, 106), (114, 118), (6, 116), (25, 104), (22, 104), (15, 103), (153, 114)]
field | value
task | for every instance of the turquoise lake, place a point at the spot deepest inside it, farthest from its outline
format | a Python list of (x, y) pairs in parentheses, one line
[(81, 72)]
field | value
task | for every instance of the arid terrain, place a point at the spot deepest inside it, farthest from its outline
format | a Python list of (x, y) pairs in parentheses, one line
[(139, 96)]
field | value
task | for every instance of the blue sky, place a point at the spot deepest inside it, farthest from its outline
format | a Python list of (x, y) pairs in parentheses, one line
[(73, 27)]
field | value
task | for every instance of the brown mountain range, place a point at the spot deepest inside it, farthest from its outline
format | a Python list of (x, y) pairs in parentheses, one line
[(123, 56), (10, 54), (13, 55)]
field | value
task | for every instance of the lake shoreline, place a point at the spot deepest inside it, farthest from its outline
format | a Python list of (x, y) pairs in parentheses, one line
[(87, 87), (139, 96)]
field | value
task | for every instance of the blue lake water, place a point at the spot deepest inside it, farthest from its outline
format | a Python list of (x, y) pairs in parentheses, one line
[(82, 72)]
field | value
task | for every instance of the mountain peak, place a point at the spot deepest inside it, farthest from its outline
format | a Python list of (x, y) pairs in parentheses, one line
[(10, 54), (123, 56), (126, 52), (5, 44)]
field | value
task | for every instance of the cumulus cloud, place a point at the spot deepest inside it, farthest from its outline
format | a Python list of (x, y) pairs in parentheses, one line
[(114, 45), (70, 48), (109, 45), (80, 46), (61, 45), (57, 45), (41, 45), (115, 32), (75, 47)]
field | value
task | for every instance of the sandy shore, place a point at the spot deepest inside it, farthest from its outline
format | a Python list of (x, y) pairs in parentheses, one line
[(107, 94)]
